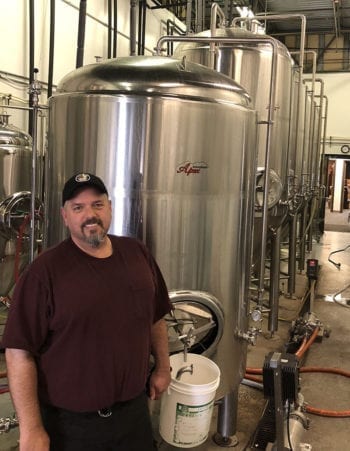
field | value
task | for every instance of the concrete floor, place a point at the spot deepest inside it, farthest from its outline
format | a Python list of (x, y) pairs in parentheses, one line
[(319, 390)]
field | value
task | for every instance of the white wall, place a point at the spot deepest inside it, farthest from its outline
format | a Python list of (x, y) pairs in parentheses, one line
[(337, 89), (14, 38)]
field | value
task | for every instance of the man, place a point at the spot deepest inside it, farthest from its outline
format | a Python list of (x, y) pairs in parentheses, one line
[(85, 316)]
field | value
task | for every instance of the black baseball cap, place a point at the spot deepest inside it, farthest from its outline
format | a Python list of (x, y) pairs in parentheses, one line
[(80, 180)]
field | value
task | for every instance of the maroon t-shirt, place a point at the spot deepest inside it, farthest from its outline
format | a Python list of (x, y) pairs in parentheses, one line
[(87, 321)]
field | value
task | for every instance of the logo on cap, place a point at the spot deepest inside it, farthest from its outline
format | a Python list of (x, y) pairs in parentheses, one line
[(82, 178)]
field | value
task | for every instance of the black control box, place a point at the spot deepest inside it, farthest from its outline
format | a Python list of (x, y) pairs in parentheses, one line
[(312, 268)]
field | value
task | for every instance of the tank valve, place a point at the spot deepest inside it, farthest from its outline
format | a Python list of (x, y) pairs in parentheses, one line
[(250, 336)]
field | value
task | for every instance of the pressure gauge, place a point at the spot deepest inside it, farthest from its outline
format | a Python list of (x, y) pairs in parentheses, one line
[(275, 188)]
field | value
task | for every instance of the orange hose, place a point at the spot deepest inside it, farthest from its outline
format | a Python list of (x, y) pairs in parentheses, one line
[(252, 378), (316, 369), (328, 413), (303, 348), (254, 370)]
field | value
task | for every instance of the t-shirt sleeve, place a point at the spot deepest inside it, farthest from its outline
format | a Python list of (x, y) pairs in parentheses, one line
[(163, 304), (27, 323)]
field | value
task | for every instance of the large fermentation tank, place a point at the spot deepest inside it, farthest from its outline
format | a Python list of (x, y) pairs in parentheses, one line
[(15, 185), (175, 144), (250, 65)]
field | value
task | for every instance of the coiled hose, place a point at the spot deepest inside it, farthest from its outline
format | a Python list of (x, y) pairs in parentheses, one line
[(252, 372)]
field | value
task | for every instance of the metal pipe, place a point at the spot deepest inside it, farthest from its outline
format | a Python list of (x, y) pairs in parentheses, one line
[(270, 120), (325, 118), (227, 420), (51, 47), (314, 66), (81, 33), (302, 247), (143, 35), (292, 252), (321, 97), (34, 90), (336, 17), (216, 11), (274, 281), (188, 16), (31, 60), (323, 169), (115, 27), (133, 4), (109, 29)]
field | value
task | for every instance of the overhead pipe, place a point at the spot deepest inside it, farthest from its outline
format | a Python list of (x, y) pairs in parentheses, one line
[(51, 47), (81, 34), (170, 27), (142, 27), (31, 61), (133, 4), (109, 29), (336, 18), (115, 27), (188, 16), (216, 11)]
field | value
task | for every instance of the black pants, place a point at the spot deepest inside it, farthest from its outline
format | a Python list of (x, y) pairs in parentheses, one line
[(127, 429)]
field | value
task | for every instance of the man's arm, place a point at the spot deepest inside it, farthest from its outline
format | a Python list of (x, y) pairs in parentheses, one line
[(22, 377), (160, 378)]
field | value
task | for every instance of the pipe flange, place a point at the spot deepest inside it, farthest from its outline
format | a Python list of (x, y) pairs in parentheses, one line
[(225, 442)]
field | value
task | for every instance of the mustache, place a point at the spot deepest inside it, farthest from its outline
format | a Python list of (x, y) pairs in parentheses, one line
[(92, 221)]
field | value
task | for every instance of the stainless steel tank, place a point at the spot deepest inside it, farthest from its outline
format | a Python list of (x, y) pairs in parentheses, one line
[(15, 184), (175, 145), (250, 65)]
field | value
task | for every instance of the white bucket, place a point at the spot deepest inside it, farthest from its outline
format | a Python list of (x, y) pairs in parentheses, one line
[(187, 406)]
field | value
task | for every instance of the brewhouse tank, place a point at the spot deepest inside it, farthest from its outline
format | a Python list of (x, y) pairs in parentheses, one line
[(175, 144), (15, 185)]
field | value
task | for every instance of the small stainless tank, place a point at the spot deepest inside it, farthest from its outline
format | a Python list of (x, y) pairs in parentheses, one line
[(15, 185), (175, 144)]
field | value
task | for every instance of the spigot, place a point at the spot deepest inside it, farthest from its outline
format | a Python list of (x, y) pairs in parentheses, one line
[(187, 341), (250, 336)]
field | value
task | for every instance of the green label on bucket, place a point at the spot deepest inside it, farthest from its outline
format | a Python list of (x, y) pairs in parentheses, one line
[(192, 423)]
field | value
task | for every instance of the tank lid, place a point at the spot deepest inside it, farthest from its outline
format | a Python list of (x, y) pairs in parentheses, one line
[(13, 136), (153, 75)]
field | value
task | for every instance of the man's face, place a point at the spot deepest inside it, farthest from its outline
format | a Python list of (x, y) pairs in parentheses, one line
[(88, 217)]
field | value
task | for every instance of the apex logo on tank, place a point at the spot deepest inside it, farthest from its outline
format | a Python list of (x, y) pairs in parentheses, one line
[(191, 168)]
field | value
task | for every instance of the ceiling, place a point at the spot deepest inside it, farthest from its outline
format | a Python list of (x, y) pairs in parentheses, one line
[(327, 29), (322, 16), (327, 25)]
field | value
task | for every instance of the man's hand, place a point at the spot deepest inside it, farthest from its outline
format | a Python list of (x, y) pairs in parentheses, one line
[(34, 440), (159, 382)]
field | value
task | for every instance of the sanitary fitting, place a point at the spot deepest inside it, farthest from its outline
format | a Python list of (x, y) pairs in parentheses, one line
[(250, 336)]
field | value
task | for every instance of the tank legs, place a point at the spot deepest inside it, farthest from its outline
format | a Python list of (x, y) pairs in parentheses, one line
[(227, 420), (274, 281), (292, 253)]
